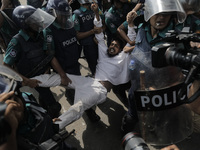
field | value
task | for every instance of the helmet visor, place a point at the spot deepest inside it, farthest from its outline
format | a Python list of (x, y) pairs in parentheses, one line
[(39, 20), (153, 7), (64, 19)]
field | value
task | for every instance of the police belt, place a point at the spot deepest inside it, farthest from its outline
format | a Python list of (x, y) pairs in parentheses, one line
[(159, 99)]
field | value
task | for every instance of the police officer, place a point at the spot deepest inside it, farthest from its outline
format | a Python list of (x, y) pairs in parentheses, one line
[(136, 12), (115, 16), (31, 51), (153, 124), (66, 46), (190, 7), (64, 34), (83, 19)]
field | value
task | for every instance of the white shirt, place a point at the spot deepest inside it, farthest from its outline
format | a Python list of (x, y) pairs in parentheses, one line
[(112, 69)]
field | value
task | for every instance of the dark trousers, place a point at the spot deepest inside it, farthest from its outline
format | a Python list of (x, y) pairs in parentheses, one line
[(91, 55), (46, 97), (132, 108)]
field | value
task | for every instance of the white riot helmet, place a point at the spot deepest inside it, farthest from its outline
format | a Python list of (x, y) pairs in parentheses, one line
[(153, 7), (86, 1), (190, 5)]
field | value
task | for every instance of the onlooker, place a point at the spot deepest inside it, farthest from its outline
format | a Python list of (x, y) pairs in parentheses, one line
[(191, 7), (29, 123)]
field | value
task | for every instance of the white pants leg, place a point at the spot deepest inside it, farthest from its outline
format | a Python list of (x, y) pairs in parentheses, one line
[(88, 92)]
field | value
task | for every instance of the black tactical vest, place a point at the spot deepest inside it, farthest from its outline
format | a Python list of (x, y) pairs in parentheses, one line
[(86, 24), (66, 49), (32, 54)]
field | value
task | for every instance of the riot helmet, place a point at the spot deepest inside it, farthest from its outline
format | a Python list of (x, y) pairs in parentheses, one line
[(28, 17), (62, 11), (153, 7), (190, 5), (86, 1), (8, 79)]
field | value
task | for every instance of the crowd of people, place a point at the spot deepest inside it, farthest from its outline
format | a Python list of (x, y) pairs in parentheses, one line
[(43, 41)]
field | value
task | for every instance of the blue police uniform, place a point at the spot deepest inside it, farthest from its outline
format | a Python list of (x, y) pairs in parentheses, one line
[(83, 20), (66, 48)]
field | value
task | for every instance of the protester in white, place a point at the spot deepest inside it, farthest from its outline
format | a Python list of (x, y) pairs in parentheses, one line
[(88, 91)]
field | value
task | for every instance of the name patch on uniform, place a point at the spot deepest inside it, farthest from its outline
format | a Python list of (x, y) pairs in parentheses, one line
[(112, 25), (13, 53), (160, 99), (70, 41), (87, 18)]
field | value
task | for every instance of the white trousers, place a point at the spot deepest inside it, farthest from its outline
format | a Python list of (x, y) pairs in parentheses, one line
[(88, 92)]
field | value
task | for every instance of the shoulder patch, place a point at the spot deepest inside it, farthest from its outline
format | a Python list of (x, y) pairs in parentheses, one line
[(112, 25), (49, 38), (12, 43), (13, 53)]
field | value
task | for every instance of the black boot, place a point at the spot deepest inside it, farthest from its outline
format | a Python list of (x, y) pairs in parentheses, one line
[(128, 123), (92, 115), (54, 110)]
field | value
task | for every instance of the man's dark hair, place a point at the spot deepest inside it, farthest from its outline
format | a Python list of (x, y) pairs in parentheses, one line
[(119, 40)]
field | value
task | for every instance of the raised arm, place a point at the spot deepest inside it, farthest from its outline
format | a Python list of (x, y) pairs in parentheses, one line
[(131, 32)]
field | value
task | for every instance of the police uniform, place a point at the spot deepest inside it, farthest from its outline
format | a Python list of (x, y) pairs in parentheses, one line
[(114, 18), (83, 22), (157, 78), (26, 53), (142, 42), (66, 48)]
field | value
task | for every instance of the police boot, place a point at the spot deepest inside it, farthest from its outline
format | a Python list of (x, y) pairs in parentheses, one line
[(69, 94), (128, 123), (92, 115)]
